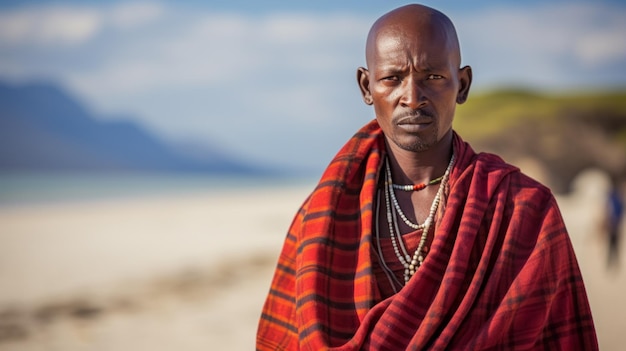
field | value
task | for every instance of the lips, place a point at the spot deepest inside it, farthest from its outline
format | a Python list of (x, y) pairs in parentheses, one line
[(414, 123), (417, 117), (415, 120)]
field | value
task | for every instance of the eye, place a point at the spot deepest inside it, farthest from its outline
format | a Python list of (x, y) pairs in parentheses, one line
[(434, 77), (391, 78)]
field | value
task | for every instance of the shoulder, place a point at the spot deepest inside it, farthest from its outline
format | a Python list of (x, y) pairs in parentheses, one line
[(490, 163), (520, 187), (529, 207), (487, 177)]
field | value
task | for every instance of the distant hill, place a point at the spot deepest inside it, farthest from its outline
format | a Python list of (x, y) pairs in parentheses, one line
[(565, 133), (42, 128)]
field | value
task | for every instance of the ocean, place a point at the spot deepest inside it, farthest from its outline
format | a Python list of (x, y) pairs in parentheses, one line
[(43, 188)]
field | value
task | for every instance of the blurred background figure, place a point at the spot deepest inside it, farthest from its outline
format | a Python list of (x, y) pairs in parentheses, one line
[(614, 215)]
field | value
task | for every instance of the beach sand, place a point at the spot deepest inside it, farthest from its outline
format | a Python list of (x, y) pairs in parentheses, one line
[(190, 272)]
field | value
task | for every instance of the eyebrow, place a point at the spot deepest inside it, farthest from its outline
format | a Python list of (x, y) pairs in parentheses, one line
[(397, 69)]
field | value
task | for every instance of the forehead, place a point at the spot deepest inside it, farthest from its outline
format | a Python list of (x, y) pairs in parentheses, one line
[(414, 33), (418, 46)]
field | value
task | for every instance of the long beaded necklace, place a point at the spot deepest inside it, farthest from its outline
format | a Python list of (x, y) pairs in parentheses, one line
[(390, 192), (411, 264)]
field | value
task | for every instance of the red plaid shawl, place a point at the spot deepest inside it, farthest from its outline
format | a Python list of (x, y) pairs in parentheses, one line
[(501, 273)]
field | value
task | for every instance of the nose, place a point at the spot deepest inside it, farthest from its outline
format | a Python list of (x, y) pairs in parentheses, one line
[(412, 93)]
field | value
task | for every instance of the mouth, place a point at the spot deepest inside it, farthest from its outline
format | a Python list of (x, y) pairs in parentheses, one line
[(415, 123)]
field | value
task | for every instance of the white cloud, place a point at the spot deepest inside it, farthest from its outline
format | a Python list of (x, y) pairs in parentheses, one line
[(215, 49), (130, 15), (545, 44), (597, 49), (48, 26), (51, 25)]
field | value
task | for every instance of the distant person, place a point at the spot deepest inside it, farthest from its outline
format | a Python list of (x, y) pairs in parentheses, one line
[(411, 240), (615, 213)]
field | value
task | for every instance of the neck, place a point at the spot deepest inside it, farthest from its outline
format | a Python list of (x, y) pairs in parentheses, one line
[(411, 167)]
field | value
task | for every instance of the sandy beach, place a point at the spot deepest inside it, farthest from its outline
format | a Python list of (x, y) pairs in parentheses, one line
[(190, 272)]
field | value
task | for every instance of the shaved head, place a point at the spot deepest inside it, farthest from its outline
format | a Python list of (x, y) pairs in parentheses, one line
[(419, 18)]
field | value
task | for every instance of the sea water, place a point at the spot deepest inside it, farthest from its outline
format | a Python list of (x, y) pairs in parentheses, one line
[(37, 188)]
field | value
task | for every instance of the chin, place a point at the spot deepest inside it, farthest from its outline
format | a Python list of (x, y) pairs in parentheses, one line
[(415, 143)]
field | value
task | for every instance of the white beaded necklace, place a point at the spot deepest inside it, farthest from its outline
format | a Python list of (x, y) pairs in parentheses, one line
[(411, 264), (390, 185)]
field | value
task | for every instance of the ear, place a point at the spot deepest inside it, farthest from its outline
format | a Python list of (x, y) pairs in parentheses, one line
[(363, 78), (465, 78)]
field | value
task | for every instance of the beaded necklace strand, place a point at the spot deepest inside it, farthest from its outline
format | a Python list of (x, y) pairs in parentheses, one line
[(416, 187), (390, 193), (411, 264)]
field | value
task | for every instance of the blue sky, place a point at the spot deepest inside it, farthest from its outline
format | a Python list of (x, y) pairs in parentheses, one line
[(274, 81)]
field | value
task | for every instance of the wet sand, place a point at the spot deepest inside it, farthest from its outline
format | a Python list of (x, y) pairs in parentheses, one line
[(190, 272)]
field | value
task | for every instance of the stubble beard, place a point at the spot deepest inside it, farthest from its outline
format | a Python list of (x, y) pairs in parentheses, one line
[(418, 143)]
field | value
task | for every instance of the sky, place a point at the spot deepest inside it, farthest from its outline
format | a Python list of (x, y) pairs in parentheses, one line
[(274, 82)]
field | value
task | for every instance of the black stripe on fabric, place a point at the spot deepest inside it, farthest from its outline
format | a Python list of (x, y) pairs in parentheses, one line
[(289, 297), (325, 330), (347, 159), (331, 183), (365, 135), (348, 276), (343, 306), (301, 211), (517, 251), (285, 269), (306, 332), (532, 204), (363, 273), (339, 186), (371, 176), (369, 206), (328, 242), (333, 214), (273, 320), (291, 237), (553, 234)]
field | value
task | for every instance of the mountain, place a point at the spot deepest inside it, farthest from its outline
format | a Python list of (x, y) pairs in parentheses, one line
[(42, 128)]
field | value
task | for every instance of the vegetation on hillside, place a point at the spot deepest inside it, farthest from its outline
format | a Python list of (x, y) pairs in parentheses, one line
[(565, 133)]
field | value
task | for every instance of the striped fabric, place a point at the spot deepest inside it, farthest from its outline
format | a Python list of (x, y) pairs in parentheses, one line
[(500, 275)]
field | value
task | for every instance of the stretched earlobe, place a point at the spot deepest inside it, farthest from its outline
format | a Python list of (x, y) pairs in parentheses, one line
[(363, 79)]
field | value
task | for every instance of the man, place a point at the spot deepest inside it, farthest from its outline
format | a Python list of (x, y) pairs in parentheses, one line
[(614, 214), (413, 241)]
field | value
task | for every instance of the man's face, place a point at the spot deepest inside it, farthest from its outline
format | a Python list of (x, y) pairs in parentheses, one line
[(414, 83)]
